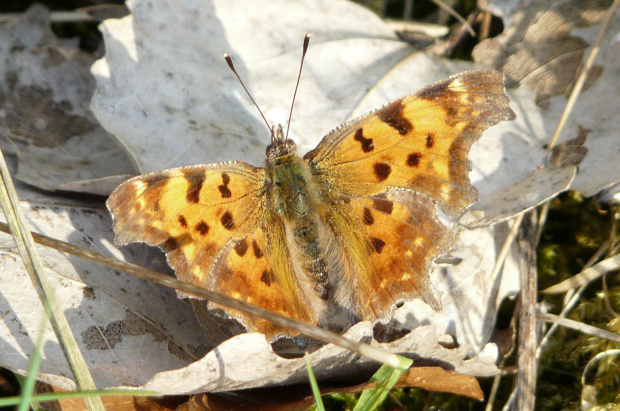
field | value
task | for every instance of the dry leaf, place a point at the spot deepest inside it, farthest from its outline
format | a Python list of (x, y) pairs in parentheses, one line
[(174, 102), (439, 380), (128, 329), (110, 402), (211, 111), (45, 119), (539, 51), (520, 50)]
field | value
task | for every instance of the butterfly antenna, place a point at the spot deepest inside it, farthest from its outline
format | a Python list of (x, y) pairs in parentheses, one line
[(232, 67), (301, 66)]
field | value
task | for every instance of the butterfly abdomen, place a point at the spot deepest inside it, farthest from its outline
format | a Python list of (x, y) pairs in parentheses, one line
[(311, 255), (293, 196)]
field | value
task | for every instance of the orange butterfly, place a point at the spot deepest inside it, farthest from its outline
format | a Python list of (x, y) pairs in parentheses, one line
[(349, 228)]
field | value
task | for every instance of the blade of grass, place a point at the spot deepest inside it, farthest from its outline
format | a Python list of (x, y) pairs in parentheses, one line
[(579, 326), (385, 377), (584, 277), (55, 396), (35, 364), (316, 393), (25, 244)]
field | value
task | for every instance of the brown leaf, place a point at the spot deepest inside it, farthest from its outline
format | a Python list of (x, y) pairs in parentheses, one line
[(540, 52), (110, 402), (299, 397), (439, 380)]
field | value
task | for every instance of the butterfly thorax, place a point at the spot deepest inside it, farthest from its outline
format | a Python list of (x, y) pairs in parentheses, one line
[(295, 201)]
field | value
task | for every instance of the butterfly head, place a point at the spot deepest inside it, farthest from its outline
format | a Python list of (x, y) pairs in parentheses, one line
[(280, 148)]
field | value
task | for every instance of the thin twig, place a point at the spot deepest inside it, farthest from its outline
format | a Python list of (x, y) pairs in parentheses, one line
[(579, 326), (457, 16), (501, 257), (581, 79), (170, 282)]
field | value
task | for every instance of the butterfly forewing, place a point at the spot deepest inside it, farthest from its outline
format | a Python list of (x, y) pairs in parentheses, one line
[(419, 142), (201, 215)]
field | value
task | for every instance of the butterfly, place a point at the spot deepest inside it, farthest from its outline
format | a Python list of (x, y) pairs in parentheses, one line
[(351, 227)]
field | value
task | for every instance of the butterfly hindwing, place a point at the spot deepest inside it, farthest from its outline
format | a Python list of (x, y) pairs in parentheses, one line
[(401, 256), (258, 270)]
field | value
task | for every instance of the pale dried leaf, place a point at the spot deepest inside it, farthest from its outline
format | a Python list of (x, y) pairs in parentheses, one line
[(173, 102), (128, 329), (45, 91), (597, 106)]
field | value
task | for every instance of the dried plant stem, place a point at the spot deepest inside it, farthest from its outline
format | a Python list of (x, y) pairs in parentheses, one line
[(485, 26), (501, 257), (528, 366), (25, 245), (579, 326), (586, 275), (457, 16), (571, 299), (366, 350)]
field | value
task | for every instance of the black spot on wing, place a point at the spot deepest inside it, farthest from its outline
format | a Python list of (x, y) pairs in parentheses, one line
[(170, 244), (430, 140), (382, 171), (377, 244), (368, 218), (385, 206), (202, 228), (393, 116), (182, 221), (366, 143), (224, 189), (258, 253), (227, 221), (241, 247), (195, 182), (267, 277), (413, 160)]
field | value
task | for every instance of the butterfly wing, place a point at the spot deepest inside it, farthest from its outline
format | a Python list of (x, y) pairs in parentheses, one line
[(211, 221), (390, 166)]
